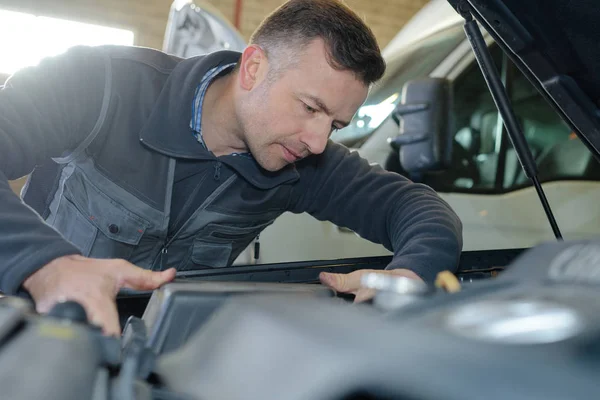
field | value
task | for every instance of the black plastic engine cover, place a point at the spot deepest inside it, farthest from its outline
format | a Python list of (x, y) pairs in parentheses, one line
[(521, 336), (177, 310)]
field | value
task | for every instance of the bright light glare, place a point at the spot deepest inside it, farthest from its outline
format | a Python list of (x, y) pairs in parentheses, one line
[(28, 39), (377, 113), (179, 4)]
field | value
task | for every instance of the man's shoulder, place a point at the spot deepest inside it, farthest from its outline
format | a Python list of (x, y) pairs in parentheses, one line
[(155, 59), (142, 56)]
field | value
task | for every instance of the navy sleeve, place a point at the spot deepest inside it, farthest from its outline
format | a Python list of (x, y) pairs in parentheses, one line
[(407, 218), (47, 111)]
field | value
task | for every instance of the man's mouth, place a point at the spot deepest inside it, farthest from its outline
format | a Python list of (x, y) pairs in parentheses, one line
[(290, 155)]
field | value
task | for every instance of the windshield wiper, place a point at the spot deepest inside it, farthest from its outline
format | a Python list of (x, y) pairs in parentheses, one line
[(498, 92)]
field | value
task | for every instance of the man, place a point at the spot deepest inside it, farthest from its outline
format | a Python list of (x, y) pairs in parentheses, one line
[(178, 164)]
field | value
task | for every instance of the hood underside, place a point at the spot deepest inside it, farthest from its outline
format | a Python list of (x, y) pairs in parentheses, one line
[(555, 43)]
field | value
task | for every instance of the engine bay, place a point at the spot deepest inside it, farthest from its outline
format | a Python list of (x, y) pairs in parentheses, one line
[(531, 332)]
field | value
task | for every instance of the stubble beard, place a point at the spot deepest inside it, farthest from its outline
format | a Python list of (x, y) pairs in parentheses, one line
[(255, 130)]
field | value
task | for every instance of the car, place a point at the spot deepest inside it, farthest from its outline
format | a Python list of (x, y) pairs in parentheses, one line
[(527, 329), (482, 181), (529, 332), (198, 27)]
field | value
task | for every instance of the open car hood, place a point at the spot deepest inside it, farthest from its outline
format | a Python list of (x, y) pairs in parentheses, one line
[(196, 27), (555, 44)]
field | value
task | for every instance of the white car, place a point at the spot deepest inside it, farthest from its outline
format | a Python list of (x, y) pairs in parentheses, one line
[(484, 182)]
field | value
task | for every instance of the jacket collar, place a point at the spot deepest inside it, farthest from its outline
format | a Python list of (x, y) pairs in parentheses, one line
[(251, 171), (168, 127)]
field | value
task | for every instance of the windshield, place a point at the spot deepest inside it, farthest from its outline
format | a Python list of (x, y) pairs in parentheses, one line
[(419, 60)]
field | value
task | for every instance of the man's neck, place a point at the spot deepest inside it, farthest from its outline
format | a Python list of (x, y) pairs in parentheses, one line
[(220, 129)]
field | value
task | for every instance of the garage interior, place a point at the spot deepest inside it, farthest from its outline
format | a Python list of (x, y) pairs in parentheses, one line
[(323, 313)]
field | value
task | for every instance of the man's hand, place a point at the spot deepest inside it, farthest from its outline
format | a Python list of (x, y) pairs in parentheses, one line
[(350, 283), (94, 283)]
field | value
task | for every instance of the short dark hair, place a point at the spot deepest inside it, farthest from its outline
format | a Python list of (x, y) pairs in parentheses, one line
[(350, 43)]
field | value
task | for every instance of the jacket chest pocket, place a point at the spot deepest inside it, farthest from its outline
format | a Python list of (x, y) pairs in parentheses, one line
[(97, 225), (74, 226), (218, 244)]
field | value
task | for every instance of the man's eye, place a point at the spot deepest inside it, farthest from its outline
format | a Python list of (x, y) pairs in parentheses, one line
[(309, 109)]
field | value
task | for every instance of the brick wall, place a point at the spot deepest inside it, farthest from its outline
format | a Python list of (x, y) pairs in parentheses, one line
[(147, 18), (385, 17)]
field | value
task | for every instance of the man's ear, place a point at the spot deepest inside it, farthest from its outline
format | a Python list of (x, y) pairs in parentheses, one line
[(253, 67)]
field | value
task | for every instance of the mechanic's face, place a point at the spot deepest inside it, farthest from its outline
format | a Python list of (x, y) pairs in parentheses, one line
[(291, 115)]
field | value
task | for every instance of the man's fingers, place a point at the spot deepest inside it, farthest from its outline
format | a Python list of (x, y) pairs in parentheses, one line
[(104, 314), (43, 307), (364, 294), (343, 283), (101, 310), (141, 279)]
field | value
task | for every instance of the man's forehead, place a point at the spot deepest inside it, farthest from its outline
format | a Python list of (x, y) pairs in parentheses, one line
[(311, 74)]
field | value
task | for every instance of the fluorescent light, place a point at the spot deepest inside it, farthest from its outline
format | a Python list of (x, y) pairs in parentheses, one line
[(30, 38)]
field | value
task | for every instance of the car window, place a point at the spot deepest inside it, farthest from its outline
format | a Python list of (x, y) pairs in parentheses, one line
[(559, 153), (480, 163), (417, 61)]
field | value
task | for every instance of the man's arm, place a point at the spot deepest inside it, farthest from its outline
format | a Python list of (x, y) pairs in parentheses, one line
[(46, 111), (408, 218)]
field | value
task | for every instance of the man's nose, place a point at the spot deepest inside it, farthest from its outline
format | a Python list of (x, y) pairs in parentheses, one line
[(316, 138)]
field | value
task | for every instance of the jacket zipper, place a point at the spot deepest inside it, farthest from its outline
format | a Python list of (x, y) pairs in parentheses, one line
[(217, 175), (168, 240)]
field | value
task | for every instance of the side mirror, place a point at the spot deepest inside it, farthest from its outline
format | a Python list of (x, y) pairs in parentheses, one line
[(423, 116)]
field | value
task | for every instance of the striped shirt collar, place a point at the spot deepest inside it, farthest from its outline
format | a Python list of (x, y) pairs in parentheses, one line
[(196, 120)]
